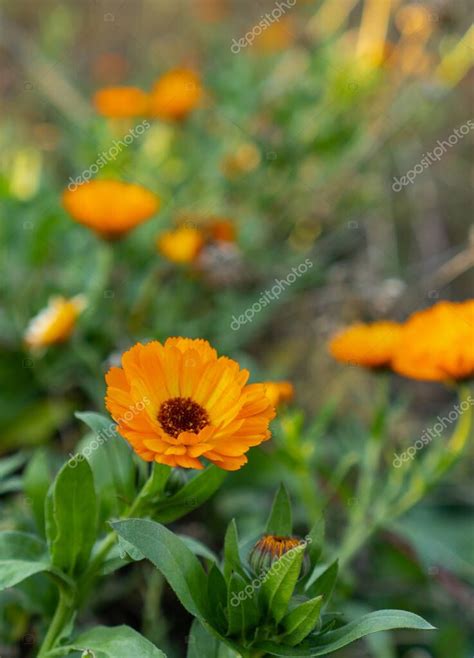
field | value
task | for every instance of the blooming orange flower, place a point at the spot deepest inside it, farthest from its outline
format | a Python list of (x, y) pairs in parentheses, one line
[(176, 94), (181, 245), (278, 392), (437, 343), (111, 208), (368, 345), (198, 405), (119, 102), (55, 323)]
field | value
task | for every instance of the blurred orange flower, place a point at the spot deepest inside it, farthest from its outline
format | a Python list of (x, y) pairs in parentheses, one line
[(176, 94), (55, 323), (368, 345), (120, 102), (278, 392), (110, 208), (181, 245), (437, 343), (177, 403)]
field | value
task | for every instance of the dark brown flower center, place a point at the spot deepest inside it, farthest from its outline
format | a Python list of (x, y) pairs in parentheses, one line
[(182, 415)]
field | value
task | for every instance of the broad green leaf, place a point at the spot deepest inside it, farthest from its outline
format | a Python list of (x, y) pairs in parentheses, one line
[(203, 644), (112, 642), (232, 560), (191, 496), (172, 557), (383, 620), (71, 517), (301, 621), (280, 580), (323, 584), (280, 522), (112, 463), (36, 482), (242, 611), (21, 556)]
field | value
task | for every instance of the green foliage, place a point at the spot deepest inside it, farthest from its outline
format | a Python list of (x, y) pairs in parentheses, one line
[(21, 556), (114, 642), (71, 517)]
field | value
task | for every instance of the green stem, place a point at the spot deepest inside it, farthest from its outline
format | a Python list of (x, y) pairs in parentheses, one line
[(361, 520), (64, 613), (436, 465)]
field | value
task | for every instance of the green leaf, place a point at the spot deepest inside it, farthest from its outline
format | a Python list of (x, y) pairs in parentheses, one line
[(112, 642), (36, 482), (280, 522), (316, 541), (71, 517), (203, 644), (242, 610), (191, 496), (232, 560), (172, 557), (21, 556), (112, 463), (383, 620), (300, 622), (280, 580), (217, 597), (322, 583)]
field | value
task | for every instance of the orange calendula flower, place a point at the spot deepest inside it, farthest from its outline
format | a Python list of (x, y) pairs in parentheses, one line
[(198, 405), (55, 323), (110, 208), (176, 94), (120, 102), (437, 343), (279, 392), (368, 345), (181, 245)]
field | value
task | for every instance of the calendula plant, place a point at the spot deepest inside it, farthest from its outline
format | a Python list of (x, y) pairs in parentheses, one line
[(272, 600)]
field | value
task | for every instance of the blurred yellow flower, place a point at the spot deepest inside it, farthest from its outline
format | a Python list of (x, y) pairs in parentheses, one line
[(176, 94), (55, 323), (110, 208), (367, 345), (437, 343), (188, 404), (246, 158), (279, 392), (181, 245), (120, 102)]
